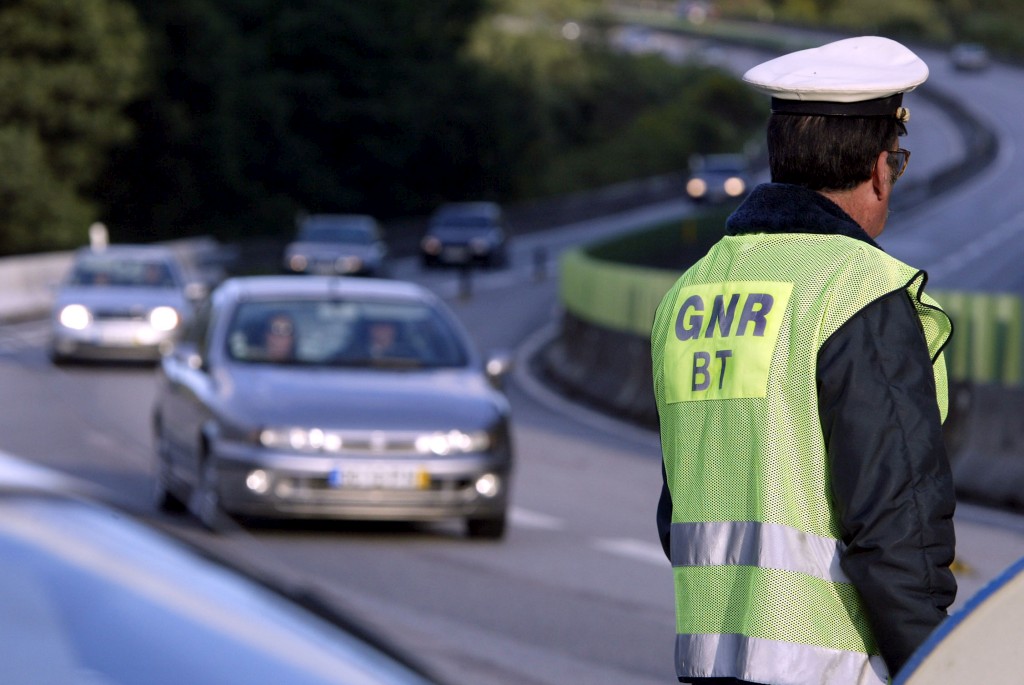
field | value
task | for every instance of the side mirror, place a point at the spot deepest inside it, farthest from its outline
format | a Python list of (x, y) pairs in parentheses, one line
[(186, 354), (497, 367)]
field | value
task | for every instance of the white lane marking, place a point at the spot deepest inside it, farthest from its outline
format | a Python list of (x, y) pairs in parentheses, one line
[(533, 519), (638, 550)]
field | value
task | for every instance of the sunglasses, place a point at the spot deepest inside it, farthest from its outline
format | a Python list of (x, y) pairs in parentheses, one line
[(898, 159)]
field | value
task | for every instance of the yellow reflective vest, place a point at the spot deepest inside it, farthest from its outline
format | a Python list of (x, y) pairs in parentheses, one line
[(755, 543)]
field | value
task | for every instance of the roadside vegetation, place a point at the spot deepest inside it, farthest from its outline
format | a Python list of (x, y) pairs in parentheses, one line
[(995, 23), (229, 117)]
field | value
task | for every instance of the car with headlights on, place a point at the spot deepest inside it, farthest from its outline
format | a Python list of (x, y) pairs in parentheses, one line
[(331, 397), (94, 595), (465, 234), (341, 244), (121, 302), (718, 178)]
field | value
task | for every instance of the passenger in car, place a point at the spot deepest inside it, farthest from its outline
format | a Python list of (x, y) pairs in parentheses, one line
[(279, 338)]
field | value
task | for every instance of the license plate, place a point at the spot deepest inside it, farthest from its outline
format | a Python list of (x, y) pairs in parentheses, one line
[(456, 254), (367, 477), (120, 335)]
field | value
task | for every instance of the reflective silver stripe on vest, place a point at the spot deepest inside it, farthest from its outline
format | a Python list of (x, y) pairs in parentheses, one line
[(767, 545), (771, 661)]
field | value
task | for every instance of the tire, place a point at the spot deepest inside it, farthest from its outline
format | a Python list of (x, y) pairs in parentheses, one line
[(492, 528), (163, 496), (205, 500)]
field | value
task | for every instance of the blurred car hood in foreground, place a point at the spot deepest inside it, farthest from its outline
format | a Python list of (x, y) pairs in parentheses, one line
[(90, 597)]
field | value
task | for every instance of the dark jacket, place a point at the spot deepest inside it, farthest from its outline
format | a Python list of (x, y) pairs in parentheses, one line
[(891, 481)]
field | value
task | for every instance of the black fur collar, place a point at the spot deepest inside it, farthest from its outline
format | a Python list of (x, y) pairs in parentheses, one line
[(784, 208)]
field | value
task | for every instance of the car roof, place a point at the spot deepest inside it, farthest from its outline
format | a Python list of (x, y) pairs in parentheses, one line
[(127, 251), (266, 287)]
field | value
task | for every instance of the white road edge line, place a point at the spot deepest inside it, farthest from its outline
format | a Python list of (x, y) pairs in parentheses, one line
[(630, 548), (524, 518)]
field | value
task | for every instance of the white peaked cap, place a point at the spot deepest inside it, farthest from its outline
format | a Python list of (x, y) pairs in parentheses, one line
[(863, 76)]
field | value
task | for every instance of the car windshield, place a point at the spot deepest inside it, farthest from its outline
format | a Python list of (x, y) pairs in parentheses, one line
[(344, 333), (335, 234), (729, 164), (119, 272)]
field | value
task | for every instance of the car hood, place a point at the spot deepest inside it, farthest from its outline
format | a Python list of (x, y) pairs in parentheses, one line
[(362, 399), (121, 298)]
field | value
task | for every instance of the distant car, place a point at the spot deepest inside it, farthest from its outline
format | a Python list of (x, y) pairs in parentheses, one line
[(718, 178), (970, 57), (92, 596), (466, 233), (121, 302), (339, 398), (341, 244)]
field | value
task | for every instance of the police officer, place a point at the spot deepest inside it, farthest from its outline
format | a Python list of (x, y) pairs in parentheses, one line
[(798, 370)]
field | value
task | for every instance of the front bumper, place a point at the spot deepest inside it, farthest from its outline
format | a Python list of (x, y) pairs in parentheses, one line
[(361, 488), (111, 340)]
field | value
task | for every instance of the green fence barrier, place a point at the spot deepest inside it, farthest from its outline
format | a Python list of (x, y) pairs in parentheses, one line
[(987, 344), (987, 336)]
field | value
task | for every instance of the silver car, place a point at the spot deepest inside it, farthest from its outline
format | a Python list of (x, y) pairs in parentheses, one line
[(121, 302), (326, 397)]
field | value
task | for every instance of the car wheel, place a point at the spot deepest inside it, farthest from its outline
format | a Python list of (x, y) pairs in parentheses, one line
[(486, 528), (205, 501), (163, 497)]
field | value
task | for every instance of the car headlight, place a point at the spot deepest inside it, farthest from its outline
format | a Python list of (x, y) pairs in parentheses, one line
[(480, 246), (164, 318), (300, 439), (75, 317), (452, 442), (696, 187), (297, 262), (431, 245), (734, 186), (316, 440)]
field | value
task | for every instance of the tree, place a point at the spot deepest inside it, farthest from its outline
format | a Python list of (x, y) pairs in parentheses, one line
[(68, 68), (269, 107)]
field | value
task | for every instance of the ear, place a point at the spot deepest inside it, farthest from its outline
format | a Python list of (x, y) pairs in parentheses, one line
[(881, 177)]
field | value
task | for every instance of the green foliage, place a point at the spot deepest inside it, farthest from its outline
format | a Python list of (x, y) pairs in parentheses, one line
[(673, 245), (389, 107), (911, 18), (270, 107), (67, 70), (708, 111)]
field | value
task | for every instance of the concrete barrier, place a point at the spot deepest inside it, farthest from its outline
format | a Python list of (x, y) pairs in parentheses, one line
[(28, 284)]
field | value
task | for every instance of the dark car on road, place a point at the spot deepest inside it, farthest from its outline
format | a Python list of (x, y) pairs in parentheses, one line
[(970, 57), (92, 595), (466, 234), (339, 244), (718, 178), (122, 302), (337, 398)]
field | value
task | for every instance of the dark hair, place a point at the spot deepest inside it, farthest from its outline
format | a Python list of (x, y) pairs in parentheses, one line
[(828, 153)]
